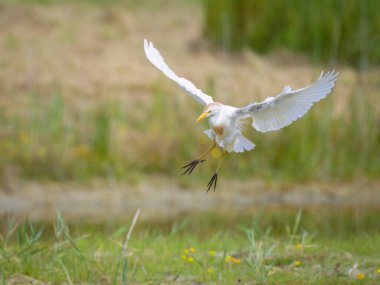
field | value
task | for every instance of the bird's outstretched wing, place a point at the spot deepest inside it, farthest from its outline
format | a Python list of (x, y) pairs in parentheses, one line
[(158, 61), (277, 112)]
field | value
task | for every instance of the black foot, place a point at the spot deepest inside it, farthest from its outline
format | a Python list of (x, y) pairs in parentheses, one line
[(190, 167), (213, 180)]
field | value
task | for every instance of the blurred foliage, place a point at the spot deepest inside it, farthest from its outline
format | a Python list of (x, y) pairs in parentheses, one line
[(55, 142), (325, 30), (123, 141)]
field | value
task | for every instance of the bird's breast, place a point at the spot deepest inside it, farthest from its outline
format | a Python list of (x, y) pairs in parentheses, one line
[(219, 130), (220, 125)]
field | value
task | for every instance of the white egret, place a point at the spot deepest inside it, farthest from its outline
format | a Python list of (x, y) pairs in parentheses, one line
[(225, 121)]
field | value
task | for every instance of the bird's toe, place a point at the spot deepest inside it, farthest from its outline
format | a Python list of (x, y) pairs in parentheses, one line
[(191, 166), (212, 181)]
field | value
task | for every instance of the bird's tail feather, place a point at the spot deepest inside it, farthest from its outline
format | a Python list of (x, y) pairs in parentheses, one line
[(243, 144)]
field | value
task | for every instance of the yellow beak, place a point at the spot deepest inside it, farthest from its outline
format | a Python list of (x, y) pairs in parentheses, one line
[(201, 117)]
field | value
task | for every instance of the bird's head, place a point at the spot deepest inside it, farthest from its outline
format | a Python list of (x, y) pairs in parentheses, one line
[(210, 110)]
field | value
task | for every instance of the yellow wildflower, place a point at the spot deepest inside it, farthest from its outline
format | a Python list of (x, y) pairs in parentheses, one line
[(184, 257), (210, 270), (360, 275), (297, 263), (298, 245), (232, 259), (378, 270), (190, 259), (186, 251), (212, 252), (192, 249)]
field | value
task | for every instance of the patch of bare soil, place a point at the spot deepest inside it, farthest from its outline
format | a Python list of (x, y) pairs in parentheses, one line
[(160, 197)]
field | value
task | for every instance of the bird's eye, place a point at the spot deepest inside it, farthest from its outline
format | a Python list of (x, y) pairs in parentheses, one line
[(209, 111)]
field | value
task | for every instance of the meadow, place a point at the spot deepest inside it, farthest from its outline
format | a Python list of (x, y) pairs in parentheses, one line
[(79, 104), (282, 246)]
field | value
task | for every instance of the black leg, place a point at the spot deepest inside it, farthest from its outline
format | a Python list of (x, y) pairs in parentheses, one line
[(191, 166), (213, 180)]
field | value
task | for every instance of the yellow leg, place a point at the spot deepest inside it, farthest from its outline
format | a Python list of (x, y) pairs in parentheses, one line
[(214, 178), (190, 167), (206, 152), (220, 161)]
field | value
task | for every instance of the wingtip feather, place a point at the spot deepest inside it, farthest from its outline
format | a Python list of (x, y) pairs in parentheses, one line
[(158, 61)]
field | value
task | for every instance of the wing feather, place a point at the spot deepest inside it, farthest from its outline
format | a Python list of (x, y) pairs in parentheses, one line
[(158, 61), (277, 112)]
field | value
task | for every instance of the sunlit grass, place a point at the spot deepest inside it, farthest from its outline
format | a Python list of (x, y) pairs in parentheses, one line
[(247, 251)]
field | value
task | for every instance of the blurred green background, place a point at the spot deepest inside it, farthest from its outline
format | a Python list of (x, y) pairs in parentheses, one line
[(329, 31), (112, 121)]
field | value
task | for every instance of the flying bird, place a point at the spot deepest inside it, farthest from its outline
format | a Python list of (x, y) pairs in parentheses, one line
[(226, 122)]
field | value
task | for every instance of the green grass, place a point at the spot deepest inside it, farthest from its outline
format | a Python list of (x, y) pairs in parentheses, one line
[(206, 248), (329, 31), (117, 142)]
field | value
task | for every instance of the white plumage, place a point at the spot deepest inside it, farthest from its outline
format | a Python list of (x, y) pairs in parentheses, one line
[(272, 114), (277, 112), (158, 61)]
